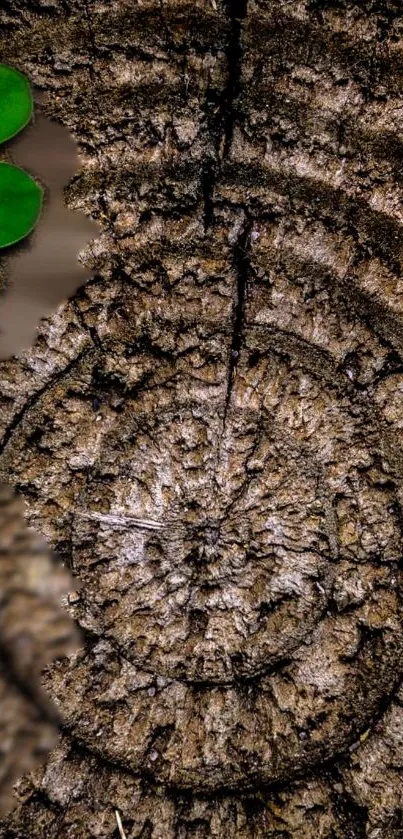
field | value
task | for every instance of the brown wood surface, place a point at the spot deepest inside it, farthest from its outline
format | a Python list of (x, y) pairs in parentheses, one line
[(209, 432)]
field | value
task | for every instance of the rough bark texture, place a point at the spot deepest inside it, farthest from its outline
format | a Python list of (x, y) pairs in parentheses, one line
[(209, 431)]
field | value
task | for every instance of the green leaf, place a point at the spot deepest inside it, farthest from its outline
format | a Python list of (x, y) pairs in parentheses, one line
[(16, 103), (20, 204)]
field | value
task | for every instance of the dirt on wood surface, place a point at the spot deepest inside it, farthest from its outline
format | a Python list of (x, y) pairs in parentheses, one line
[(209, 431)]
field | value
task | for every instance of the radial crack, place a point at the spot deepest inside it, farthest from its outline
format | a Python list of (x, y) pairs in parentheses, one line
[(237, 10), (242, 268), (222, 123)]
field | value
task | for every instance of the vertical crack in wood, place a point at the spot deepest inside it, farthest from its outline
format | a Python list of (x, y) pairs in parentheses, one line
[(242, 269), (221, 125), (237, 10)]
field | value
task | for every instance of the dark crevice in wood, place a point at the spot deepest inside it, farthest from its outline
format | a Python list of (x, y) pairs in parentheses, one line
[(242, 268), (221, 124), (352, 816), (237, 10), (208, 182), (35, 397)]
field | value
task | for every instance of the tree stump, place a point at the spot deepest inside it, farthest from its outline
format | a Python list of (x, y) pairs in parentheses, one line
[(208, 432)]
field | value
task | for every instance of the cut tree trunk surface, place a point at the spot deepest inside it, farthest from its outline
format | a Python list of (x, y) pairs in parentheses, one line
[(209, 431)]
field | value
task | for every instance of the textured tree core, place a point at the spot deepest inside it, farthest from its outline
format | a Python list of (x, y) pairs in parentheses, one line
[(209, 431)]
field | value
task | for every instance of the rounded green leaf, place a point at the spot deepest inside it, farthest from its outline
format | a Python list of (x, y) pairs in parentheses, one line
[(16, 102), (20, 204)]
